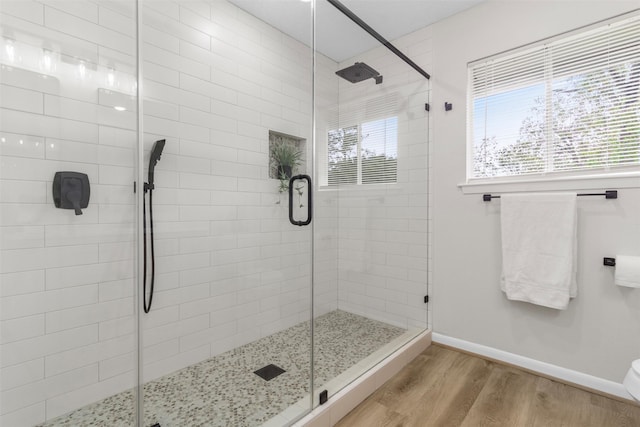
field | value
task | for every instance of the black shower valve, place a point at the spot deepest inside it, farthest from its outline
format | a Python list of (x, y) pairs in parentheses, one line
[(71, 190)]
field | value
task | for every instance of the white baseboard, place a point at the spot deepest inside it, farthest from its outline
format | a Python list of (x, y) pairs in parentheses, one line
[(566, 375)]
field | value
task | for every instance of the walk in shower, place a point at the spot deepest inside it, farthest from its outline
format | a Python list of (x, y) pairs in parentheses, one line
[(274, 285)]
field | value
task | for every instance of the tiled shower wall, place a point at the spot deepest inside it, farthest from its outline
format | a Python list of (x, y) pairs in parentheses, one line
[(231, 268), (325, 256), (66, 283)]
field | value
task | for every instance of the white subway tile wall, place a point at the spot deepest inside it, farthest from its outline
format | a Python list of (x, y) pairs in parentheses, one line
[(230, 267), (66, 281)]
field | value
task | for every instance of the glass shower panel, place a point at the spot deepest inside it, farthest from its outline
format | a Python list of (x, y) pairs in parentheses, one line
[(67, 277), (371, 235), (231, 96)]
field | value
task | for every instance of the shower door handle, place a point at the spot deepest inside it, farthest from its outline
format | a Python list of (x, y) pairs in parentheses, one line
[(309, 199)]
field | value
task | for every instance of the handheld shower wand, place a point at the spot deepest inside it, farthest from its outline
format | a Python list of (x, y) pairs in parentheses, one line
[(156, 152)]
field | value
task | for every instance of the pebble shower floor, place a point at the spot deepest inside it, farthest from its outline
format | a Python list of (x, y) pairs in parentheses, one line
[(224, 391)]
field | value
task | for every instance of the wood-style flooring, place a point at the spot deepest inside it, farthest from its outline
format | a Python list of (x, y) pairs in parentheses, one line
[(443, 387)]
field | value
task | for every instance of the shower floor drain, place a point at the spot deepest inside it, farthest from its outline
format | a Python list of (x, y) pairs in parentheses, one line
[(269, 372)]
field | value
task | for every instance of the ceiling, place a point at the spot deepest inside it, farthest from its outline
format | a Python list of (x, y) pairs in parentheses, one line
[(337, 36)]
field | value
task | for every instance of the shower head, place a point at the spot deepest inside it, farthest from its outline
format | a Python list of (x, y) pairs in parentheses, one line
[(156, 152), (359, 72)]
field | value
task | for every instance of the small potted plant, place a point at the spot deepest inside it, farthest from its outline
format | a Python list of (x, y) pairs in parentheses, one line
[(285, 157)]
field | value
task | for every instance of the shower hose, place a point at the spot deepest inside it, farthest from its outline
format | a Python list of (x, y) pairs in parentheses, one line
[(147, 305)]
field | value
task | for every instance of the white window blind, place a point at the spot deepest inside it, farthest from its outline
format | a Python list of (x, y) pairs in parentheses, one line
[(366, 150), (569, 105)]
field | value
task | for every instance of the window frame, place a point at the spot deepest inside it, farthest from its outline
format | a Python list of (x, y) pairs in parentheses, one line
[(620, 176)]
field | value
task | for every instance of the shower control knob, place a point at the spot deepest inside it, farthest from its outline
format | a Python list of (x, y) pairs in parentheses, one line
[(71, 190)]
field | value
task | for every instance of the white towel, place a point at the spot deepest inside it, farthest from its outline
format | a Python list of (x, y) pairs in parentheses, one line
[(539, 248), (627, 271)]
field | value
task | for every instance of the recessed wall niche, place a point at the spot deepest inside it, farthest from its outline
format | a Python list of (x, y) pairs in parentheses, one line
[(281, 144)]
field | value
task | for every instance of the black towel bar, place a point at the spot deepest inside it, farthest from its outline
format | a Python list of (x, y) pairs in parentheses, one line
[(609, 262), (608, 194)]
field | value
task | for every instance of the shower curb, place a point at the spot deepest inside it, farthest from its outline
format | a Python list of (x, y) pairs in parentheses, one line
[(352, 395)]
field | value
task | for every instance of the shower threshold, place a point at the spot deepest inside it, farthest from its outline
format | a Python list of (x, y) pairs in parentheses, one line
[(225, 391)]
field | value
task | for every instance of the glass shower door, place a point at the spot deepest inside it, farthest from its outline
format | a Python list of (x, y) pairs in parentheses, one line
[(371, 226), (227, 339)]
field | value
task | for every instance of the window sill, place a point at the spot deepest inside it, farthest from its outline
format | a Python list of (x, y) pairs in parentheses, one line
[(586, 182)]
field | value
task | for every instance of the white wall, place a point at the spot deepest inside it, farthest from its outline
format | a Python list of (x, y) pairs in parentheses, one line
[(598, 333), (67, 281)]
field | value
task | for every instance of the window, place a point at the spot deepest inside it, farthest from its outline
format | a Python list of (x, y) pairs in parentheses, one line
[(363, 154), (570, 105)]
